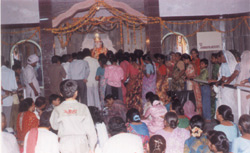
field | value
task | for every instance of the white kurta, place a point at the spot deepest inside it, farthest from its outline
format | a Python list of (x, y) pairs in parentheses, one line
[(47, 142), (30, 77), (66, 68), (92, 84), (8, 82), (9, 143), (75, 127)]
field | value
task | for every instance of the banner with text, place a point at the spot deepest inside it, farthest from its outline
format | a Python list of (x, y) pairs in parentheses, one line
[(209, 41)]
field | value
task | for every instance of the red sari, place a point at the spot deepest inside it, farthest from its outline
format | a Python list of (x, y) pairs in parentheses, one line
[(162, 82), (197, 66), (25, 121)]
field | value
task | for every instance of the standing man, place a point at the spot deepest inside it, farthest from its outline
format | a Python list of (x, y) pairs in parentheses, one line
[(79, 71), (56, 75), (9, 85), (92, 84), (32, 86)]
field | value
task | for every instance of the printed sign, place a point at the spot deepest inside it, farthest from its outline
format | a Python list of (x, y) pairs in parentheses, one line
[(209, 41)]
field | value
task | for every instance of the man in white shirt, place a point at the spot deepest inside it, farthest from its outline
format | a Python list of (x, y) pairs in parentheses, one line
[(66, 59), (9, 86), (32, 86), (45, 140), (73, 121), (121, 141), (79, 71), (92, 84)]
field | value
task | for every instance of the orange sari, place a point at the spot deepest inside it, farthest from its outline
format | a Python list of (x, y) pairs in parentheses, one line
[(25, 121), (162, 82)]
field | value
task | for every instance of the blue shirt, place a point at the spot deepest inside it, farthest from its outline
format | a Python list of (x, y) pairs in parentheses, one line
[(141, 129), (100, 71), (241, 145), (149, 69)]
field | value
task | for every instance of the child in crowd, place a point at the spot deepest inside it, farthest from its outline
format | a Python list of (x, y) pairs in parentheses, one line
[(183, 120), (40, 104), (148, 103), (174, 136), (120, 141), (114, 76), (157, 112), (41, 139), (100, 127), (242, 144), (218, 142), (115, 108), (198, 142), (54, 100), (226, 118), (205, 91), (73, 121), (169, 99), (157, 144), (137, 127)]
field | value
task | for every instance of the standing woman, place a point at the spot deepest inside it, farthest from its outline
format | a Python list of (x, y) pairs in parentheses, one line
[(191, 74), (149, 78), (196, 60), (100, 77), (162, 79), (26, 119), (134, 86)]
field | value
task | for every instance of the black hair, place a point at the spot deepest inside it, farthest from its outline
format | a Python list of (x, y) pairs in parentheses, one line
[(80, 55), (157, 144), (171, 94), (226, 112), (116, 125), (55, 59), (138, 53), (153, 98), (113, 59), (65, 58), (204, 60), (185, 56), (74, 55), (219, 140), (25, 105), (133, 57), (177, 53), (102, 59), (172, 119), (177, 106), (44, 119), (147, 58), (16, 67), (244, 122), (220, 53), (196, 51), (95, 114), (109, 54), (215, 55), (109, 96), (133, 115), (40, 101), (68, 88), (86, 52), (149, 95), (53, 97), (197, 121)]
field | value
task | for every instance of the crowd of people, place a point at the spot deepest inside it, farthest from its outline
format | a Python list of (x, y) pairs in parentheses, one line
[(127, 102)]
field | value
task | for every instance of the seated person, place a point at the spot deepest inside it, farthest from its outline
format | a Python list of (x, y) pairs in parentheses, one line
[(9, 142), (40, 104), (114, 107), (218, 142), (120, 141), (157, 144), (41, 139), (178, 109), (54, 100)]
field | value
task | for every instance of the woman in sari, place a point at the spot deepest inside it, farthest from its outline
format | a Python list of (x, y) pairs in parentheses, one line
[(162, 79), (134, 86), (191, 74), (137, 127), (226, 95), (100, 77), (149, 78), (175, 137), (244, 74), (196, 60), (26, 119), (178, 74)]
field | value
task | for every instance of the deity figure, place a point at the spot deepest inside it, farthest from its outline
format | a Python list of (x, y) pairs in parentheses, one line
[(98, 47), (181, 45)]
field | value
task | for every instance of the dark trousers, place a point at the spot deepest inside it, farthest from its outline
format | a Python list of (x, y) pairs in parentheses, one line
[(82, 92), (206, 101)]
